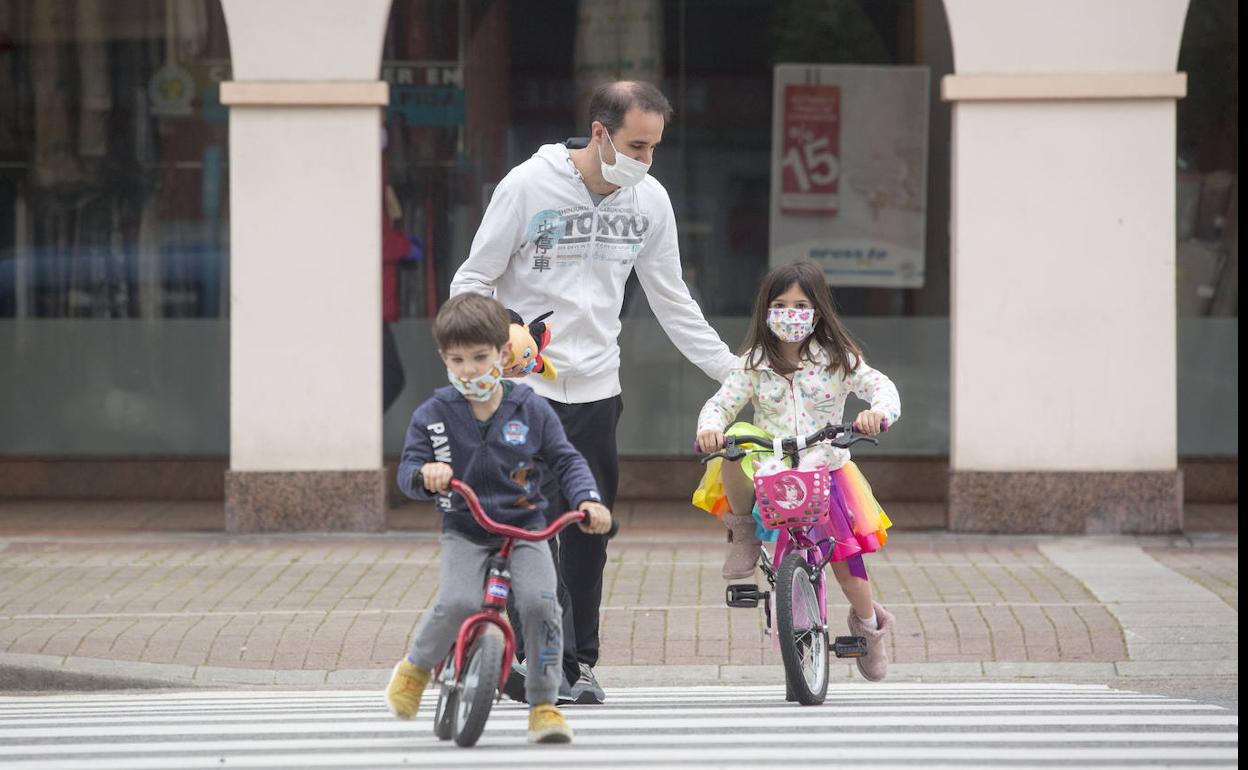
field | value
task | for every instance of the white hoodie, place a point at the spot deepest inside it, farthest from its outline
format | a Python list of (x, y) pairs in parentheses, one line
[(543, 245)]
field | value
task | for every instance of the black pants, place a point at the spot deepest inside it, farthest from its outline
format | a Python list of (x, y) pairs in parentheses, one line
[(580, 557), (392, 378)]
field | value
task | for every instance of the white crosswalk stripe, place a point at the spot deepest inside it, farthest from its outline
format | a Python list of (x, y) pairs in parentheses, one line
[(885, 725)]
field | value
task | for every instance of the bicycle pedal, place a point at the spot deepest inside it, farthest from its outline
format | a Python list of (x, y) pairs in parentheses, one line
[(742, 595), (850, 646)]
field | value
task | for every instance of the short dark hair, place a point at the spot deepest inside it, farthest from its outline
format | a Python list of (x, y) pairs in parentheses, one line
[(471, 319), (611, 101)]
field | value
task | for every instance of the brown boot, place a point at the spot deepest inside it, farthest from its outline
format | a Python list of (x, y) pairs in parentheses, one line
[(743, 545), (874, 665)]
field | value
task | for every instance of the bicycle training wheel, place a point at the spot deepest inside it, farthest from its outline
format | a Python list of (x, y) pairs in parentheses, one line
[(478, 686), (803, 640), (446, 701)]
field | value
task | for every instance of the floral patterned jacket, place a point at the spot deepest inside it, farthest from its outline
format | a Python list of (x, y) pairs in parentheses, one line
[(801, 402)]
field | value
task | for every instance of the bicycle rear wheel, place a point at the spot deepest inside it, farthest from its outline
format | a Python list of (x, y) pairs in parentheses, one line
[(801, 635), (478, 686)]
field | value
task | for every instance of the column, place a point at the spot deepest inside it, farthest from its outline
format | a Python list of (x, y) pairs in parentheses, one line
[(305, 294), (1063, 269)]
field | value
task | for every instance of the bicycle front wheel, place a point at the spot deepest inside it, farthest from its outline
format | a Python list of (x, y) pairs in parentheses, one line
[(445, 710), (478, 686), (799, 628)]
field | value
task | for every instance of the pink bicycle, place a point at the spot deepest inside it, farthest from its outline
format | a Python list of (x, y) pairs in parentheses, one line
[(796, 503), (472, 675)]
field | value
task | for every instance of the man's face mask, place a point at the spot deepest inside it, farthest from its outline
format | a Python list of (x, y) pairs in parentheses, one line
[(626, 171)]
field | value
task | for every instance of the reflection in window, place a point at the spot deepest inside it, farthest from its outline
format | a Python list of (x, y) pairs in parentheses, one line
[(113, 159), (1208, 162), (478, 85)]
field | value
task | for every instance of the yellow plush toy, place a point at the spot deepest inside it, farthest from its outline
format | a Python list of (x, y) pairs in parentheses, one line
[(526, 342)]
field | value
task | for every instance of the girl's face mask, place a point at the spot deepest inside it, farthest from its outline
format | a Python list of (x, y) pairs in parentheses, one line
[(478, 388), (791, 324)]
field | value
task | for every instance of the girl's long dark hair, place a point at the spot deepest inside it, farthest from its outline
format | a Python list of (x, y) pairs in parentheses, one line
[(830, 334)]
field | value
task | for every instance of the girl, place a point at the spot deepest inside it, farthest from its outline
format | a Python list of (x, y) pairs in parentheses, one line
[(798, 366)]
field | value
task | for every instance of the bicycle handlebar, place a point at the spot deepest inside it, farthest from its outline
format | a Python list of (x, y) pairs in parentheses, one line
[(842, 436), (506, 530)]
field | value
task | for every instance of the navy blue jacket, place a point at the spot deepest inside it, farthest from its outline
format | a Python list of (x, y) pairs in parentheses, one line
[(501, 468)]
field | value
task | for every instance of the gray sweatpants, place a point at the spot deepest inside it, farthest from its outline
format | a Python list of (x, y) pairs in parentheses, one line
[(462, 571)]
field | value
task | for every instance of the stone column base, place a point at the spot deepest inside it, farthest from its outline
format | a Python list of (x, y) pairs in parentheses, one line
[(305, 501), (1066, 502)]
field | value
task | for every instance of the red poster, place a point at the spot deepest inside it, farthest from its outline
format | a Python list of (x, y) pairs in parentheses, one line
[(810, 160)]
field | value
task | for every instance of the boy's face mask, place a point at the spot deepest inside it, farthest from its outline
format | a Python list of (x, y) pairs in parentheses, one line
[(478, 388), (791, 324)]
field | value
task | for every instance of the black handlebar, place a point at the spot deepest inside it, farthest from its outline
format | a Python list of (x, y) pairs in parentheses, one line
[(842, 436)]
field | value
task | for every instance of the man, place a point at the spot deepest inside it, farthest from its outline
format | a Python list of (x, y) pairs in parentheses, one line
[(562, 232)]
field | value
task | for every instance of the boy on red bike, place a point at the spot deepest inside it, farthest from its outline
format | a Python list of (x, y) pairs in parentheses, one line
[(489, 432)]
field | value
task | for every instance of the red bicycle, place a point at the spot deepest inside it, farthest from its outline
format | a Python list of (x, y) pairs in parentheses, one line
[(472, 675)]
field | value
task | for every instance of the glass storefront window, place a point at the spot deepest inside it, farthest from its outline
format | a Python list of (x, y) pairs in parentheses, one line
[(478, 85), (474, 92), (113, 160), (1208, 162), (114, 228), (1207, 229)]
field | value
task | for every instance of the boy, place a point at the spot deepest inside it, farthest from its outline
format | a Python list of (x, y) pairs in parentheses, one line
[(487, 432)]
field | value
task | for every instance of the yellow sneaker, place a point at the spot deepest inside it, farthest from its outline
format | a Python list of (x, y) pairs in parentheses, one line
[(547, 725), (407, 684)]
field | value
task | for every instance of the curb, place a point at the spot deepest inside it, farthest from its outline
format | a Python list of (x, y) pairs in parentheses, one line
[(29, 673)]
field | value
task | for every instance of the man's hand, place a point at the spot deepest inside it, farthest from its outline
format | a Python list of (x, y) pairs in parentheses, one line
[(436, 477), (869, 423), (599, 518), (710, 440)]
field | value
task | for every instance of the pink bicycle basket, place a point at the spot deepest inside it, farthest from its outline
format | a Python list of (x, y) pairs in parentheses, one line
[(792, 498)]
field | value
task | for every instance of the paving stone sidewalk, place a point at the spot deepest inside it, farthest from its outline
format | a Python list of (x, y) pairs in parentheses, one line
[(210, 608)]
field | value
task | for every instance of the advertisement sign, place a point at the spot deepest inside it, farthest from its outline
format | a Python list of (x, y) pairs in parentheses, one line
[(811, 148), (849, 171)]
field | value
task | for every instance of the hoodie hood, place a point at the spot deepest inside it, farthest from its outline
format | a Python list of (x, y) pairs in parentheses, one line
[(559, 157)]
